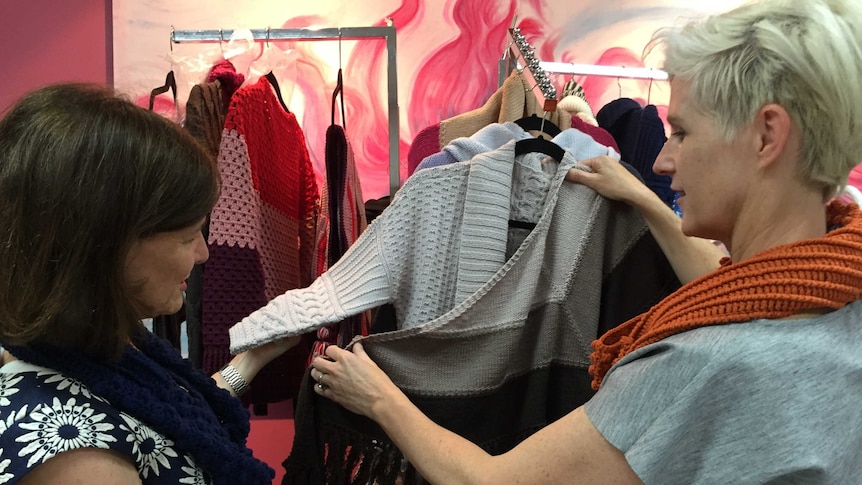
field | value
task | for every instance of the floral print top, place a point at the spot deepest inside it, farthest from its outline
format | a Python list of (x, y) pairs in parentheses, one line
[(44, 413)]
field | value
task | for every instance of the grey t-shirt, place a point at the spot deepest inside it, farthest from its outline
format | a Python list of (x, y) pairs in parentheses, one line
[(768, 401)]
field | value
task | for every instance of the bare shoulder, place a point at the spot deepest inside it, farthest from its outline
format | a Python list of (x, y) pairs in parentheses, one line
[(84, 465)]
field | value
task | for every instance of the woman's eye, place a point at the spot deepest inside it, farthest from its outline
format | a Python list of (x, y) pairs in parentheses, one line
[(680, 134)]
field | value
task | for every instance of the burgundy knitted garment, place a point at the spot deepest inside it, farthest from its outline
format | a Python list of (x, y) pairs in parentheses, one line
[(262, 231)]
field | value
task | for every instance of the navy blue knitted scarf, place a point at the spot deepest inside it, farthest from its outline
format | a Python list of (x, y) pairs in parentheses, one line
[(156, 385)]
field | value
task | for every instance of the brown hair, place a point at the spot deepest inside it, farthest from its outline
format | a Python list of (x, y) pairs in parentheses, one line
[(85, 173)]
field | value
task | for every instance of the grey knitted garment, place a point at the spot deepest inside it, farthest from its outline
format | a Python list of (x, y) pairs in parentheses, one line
[(443, 237), (503, 362)]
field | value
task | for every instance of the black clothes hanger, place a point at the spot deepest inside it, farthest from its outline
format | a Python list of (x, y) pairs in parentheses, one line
[(170, 84), (536, 145), (339, 89), (540, 145), (336, 173), (535, 123), (274, 82)]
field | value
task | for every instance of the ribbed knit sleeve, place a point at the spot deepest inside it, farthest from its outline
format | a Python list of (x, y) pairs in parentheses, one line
[(357, 282), (408, 257)]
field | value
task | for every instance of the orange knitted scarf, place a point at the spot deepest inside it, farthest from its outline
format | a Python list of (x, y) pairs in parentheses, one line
[(824, 272)]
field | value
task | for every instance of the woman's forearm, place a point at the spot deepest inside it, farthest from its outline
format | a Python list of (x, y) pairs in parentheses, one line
[(439, 455), (690, 257)]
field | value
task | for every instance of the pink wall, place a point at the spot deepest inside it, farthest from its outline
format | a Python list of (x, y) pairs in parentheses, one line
[(46, 41)]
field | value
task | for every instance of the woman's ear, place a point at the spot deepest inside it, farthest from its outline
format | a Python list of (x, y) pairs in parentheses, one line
[(773, 128)]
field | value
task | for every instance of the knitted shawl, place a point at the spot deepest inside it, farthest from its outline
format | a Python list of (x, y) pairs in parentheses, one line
[(824, 272), (157, 386), (261, 233)]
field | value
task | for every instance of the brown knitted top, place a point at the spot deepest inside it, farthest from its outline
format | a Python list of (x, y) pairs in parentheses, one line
[(824, 272)]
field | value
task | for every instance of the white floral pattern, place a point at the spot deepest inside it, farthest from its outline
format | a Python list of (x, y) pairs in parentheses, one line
[(62, 427), (43, 413), (150, 448), (195, 475), (7, 387), (4, 464), (65, 383)]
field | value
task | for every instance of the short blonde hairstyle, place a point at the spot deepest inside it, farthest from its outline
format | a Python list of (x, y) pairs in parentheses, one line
[(804, 55)]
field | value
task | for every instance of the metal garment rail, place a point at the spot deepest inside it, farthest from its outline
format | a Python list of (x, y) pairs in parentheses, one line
[(335, 33), (520, 55)]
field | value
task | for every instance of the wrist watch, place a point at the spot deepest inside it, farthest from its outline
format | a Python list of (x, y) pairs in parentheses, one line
[(234, 379)]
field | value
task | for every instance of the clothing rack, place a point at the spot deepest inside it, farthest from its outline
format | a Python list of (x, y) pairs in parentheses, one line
[(336, 33), (520, 55), (607, 71)]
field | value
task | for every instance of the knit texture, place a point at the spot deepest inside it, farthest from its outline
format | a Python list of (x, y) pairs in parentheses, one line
[(513, 100), (443, 236), (205, 115), (206, 110), (639, 132), (425, 144), (464, 148), (525, 329), (262, 230), (815, 273), (578, 108), (225, 72), (154, 384), (598, 133), (341, 223)]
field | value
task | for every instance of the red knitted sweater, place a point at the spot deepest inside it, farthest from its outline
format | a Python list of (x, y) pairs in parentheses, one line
[(824, 272), (262, 230)]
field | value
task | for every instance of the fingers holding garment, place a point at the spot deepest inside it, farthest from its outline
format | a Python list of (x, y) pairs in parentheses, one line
[(352, 379)]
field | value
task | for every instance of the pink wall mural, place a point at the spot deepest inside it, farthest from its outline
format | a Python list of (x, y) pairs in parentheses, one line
[(447, 57)]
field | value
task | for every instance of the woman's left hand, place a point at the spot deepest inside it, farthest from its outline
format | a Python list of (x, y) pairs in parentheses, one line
[(267, 352), (352, 380)]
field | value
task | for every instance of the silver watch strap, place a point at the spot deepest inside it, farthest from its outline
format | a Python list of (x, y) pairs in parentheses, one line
[(234, 379)]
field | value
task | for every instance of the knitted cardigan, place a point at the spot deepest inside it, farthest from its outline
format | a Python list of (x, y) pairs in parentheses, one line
[(444, 235), (525, 330), (262, 229), (782, 281)]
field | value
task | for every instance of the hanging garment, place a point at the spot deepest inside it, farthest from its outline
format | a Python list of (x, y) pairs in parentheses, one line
[(443, 236), (262, 231), (496, 135), (206, 112), (513, 100), (509, 358), (639, 132), (206, 109), (341, 223)]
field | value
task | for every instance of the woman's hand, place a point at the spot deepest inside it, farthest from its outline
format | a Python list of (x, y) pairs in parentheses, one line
[(352, 380), (267, 352), (250, 362), (612, 180)]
